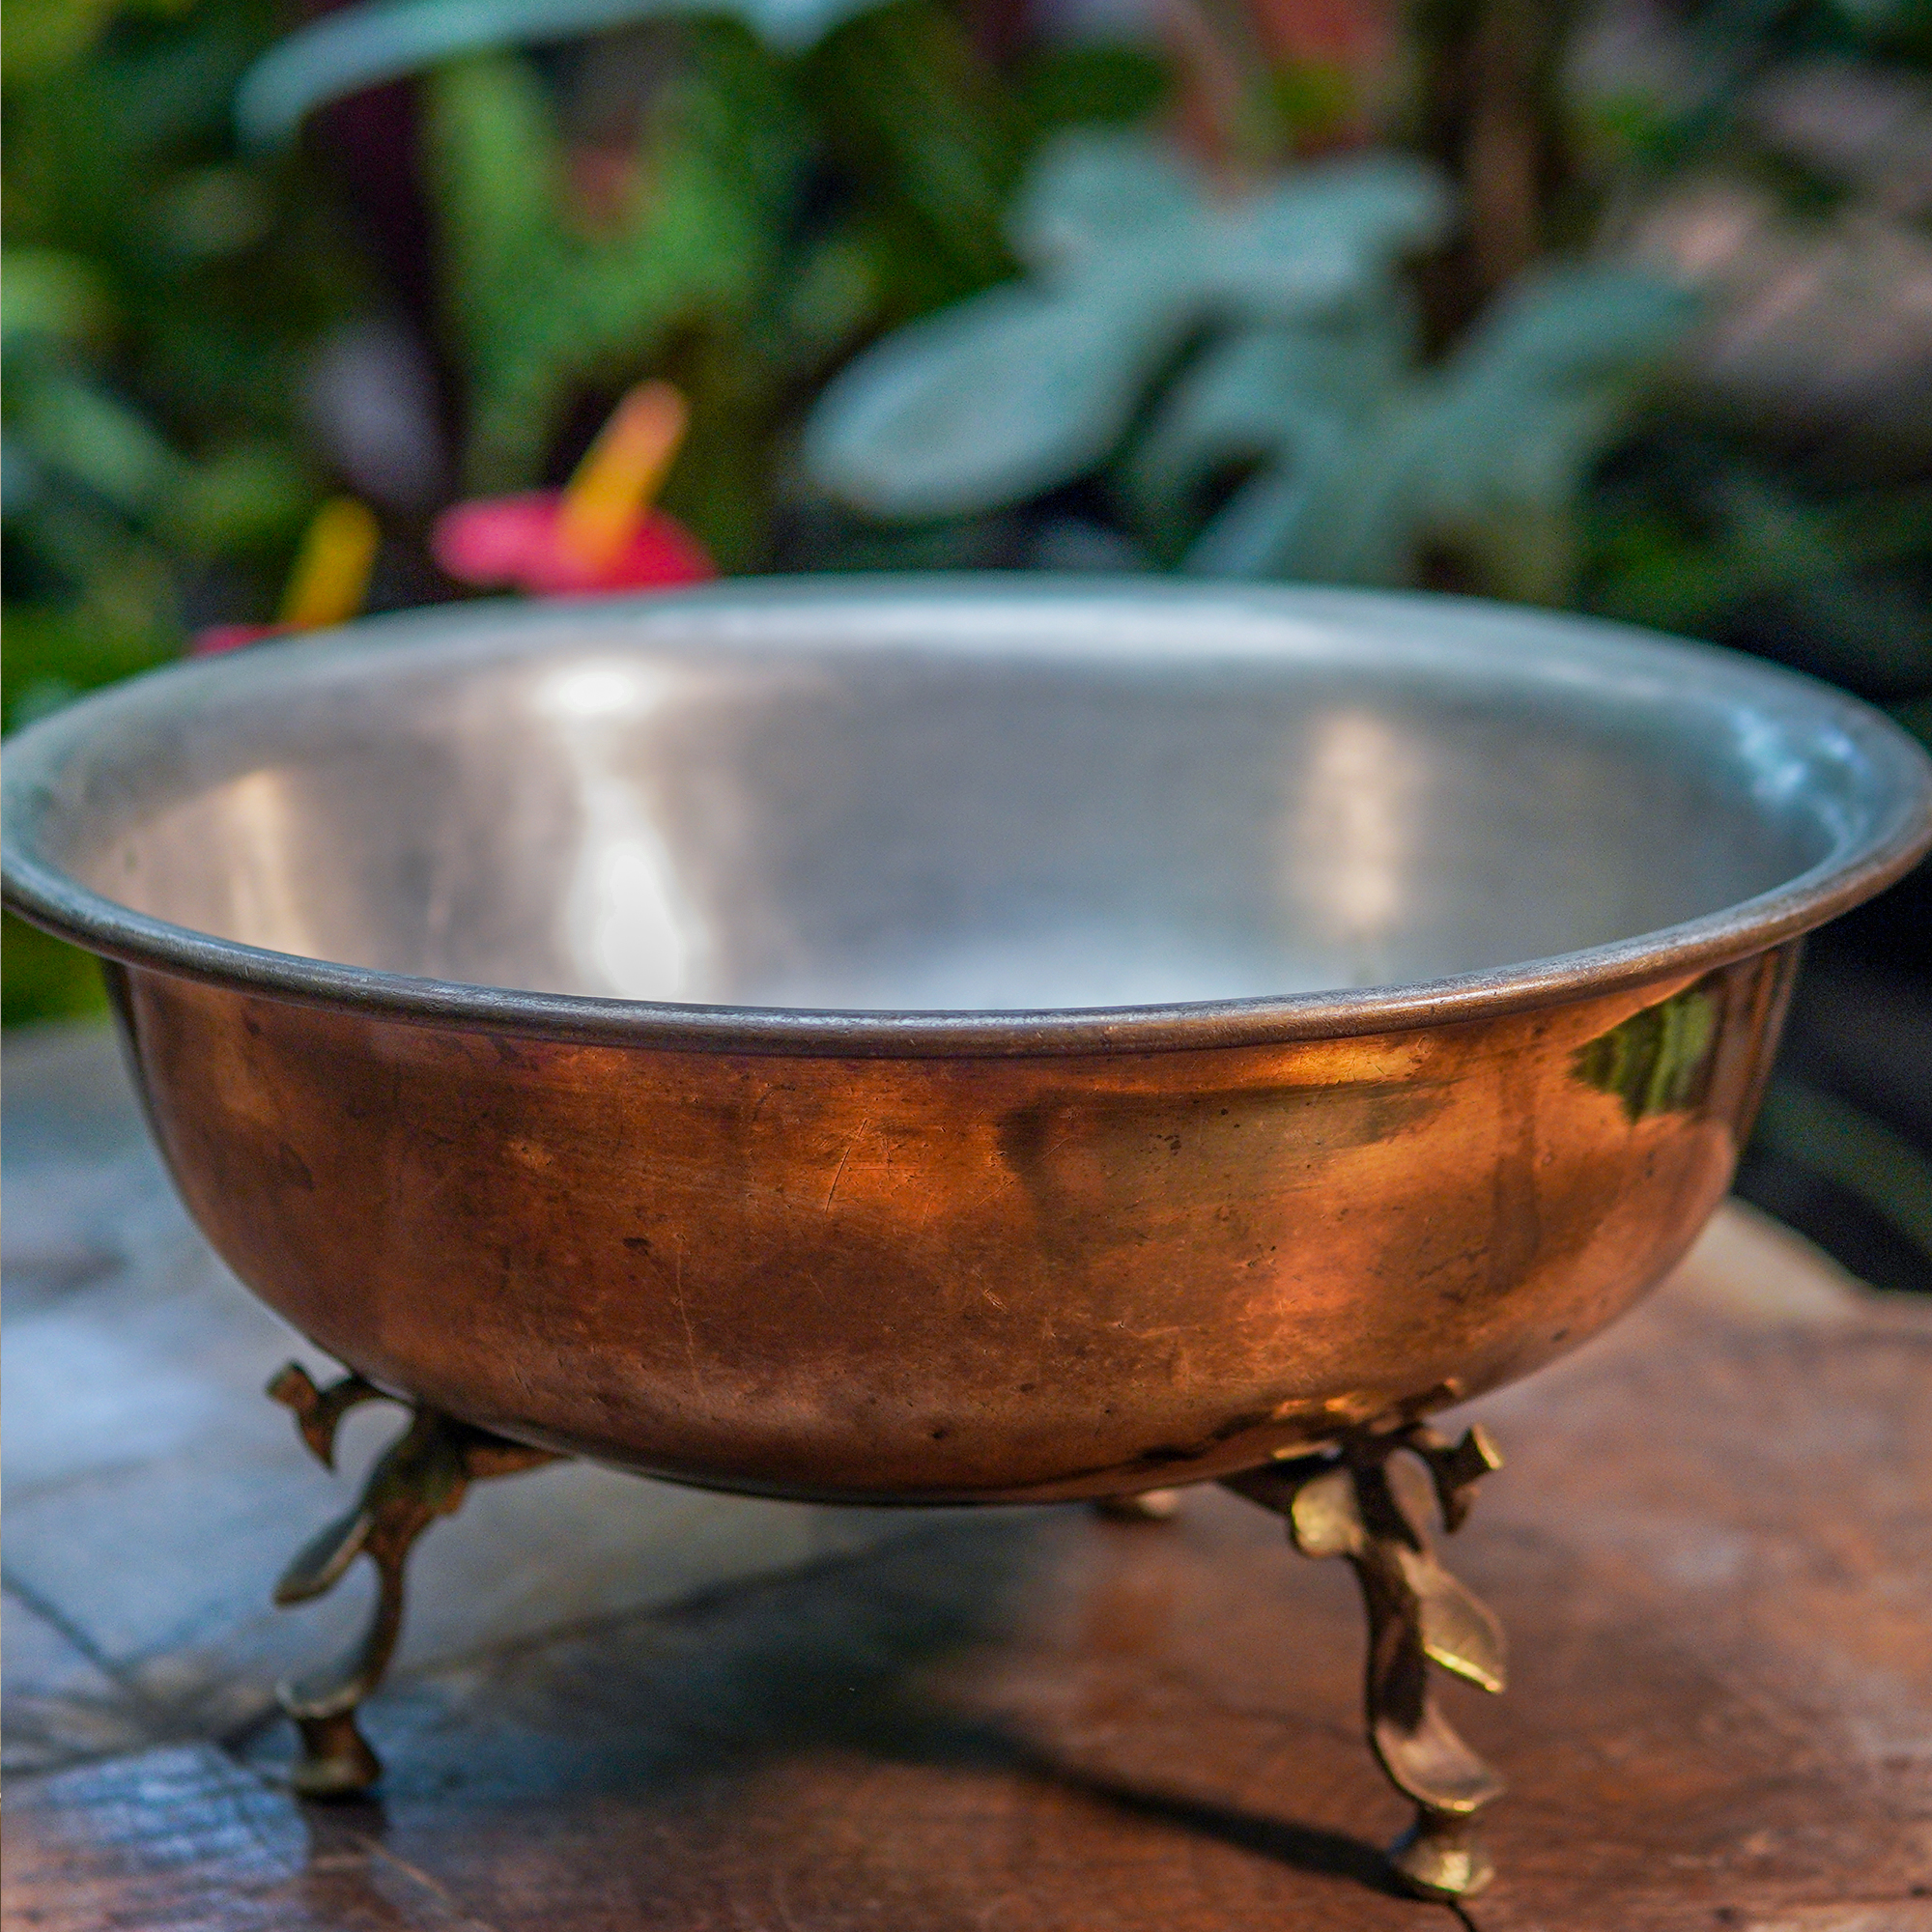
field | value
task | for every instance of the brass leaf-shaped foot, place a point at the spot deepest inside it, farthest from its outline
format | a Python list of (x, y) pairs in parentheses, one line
[(1441, 1856), (422, 1475), (336, 1760), (1342, 1503)]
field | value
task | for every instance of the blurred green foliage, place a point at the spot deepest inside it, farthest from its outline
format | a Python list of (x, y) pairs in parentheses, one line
[(545, 305), (754, 215), (1298, 436), (753, 200), (1130, 255), (1786, 514), (158, 294), (1693, 534), (765, 215)]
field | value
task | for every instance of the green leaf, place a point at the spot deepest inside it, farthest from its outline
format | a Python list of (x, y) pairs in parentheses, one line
[(72, 425), (544, 310), (1032, 384), (39, 38), (1705, 540), (1327, 238), (927, 143), (1376, 467), (1095, 196), (1846, 1145), (43, 977), (1090, 83), (53, 296), (990, 402), (1280, 406), (358, 47), (252, 498), (69, 651)]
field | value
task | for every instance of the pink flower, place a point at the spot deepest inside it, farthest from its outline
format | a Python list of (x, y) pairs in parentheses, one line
[(328, 585), (213, 638), (599, 532), (499, 541)]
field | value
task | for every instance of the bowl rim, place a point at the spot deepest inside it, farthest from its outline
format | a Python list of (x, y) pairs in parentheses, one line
[(954, 612)]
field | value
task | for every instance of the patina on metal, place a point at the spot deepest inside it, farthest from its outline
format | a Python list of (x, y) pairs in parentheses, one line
[(423, 1474), (976, 1041)]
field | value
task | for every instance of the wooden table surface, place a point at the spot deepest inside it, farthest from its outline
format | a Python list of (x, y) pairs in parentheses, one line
[(627, 1706)]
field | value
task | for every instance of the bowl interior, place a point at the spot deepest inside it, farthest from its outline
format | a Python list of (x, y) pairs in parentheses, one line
[(623, 806)]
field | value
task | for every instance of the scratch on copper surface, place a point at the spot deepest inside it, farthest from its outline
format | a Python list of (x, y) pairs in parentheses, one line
[(684, 1313), (435, 1175), (1065, 1138), (840, 1173), (923, 1201)]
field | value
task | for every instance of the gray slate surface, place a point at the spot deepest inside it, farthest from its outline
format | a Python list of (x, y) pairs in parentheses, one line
[(153, 1493)]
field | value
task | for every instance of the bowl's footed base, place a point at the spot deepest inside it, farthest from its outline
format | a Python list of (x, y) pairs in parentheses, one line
[(1342, 1502), (1440, 1856), (1339, 1501), (1283, 1437)]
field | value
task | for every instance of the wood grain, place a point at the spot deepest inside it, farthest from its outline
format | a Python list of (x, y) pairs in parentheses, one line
[(1713, 1544)]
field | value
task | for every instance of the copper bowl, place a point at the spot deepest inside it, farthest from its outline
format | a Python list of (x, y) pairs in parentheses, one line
[(955, 1040)]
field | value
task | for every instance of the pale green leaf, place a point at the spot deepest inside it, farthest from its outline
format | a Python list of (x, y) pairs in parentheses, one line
[(382, 39), (1484, 460), (1327, 238), (1032, 384), (992, 401), (1284, 401), (1093, 192)]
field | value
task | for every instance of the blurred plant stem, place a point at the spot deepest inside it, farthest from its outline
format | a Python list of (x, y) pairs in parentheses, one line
[(1487, 108), (1230, 111), (1854, 1150)]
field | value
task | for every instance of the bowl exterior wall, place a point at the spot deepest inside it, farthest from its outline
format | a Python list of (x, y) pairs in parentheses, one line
[(919, 1279)]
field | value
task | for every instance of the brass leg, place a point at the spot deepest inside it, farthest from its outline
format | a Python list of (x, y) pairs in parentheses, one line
[(1342, 1503), (422, 1475)]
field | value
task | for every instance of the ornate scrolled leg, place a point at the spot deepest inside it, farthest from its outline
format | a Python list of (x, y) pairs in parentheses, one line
[(422, 1475), (1341, 1502)]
